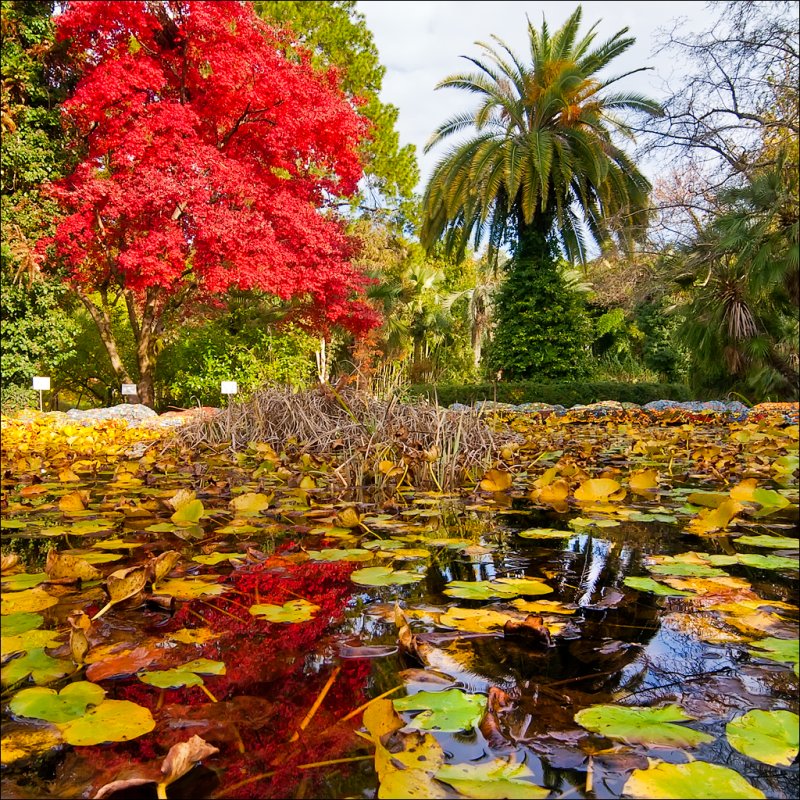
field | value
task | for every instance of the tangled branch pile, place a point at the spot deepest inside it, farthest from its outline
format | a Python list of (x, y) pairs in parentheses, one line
[(418, 442)]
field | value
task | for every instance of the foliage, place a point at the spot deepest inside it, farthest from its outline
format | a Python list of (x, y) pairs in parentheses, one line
[(336, 34), (211, 178), (191, 367), (555, 393)]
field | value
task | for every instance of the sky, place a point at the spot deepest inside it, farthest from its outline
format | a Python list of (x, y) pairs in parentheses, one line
[(420, 42)]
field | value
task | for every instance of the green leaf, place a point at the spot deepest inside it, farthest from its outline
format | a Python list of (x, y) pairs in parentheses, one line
[(188, 588), (27, 641), (170, 678), (23, 621), (642, 725), (22, 580), (111, 721), (451, 710), (782, 542), (493, 780), (353, 554), (189, 514), (786, 651), (250, 503), (649, 585), (292, 611), (216, 558), (757, 561), (28, 600), (36, 663), (767, 736), (383, 576), (71, 702), (686, 570), (503, 587), (205, 666), (545, 533), (697, 780)]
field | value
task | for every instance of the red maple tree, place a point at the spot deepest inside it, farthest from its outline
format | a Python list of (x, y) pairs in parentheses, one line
[(208, 158)]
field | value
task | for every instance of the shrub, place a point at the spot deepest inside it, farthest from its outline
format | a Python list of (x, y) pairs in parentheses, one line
[(563, 393), (15, 398)]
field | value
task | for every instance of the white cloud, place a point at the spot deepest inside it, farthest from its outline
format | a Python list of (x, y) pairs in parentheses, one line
[(420, 42)]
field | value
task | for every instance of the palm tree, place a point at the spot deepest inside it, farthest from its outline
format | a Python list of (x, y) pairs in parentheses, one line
[(543, 160)]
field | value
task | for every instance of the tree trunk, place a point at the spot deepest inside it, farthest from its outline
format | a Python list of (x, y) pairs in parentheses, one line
[(145, 346), (102, 319)]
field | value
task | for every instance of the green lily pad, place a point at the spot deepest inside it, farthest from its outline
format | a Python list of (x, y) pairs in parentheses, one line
[(205, 666), (786, 651), (161, 527), (36, 663), (503, 587), (184, 675), (47, 704), (189, 514), (117, 544), (383, 576), (382, 544), (686, 570), (28, 600), (778, 542), (12, 624), (451, 710), (544, 533), (644, 517), (188, 588), (649, 585), (493, 780), (579, 523), (250, 503), (111, 721), (757, 561), (767, 736), (216, 558), (22, 580), (293, 611), (30, 640), (353, 554), (642, 725), (90, 557), (697, 780)]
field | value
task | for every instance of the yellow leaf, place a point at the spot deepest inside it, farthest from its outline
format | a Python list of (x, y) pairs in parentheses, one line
[(553, 493), (348, 518), (67, 475), (715, 519), (743, 491), (496, 480), (307, 483), (599, 489), (250, 502), (643, 481)]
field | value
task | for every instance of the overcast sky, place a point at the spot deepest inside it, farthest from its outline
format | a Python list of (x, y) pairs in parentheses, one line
[(420, 42)]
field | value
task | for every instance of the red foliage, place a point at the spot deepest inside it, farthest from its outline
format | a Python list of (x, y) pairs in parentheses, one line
[(208, 157)]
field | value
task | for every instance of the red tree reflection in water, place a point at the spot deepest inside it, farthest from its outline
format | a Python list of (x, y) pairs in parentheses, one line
[(274, 675)]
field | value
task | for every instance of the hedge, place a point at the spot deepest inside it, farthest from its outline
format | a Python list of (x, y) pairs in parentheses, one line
[(567, 393)]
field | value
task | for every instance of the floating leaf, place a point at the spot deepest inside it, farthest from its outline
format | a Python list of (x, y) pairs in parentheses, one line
[(473, 620), (250, 503), (122, 585), (767, 736), (29, 600), (353, 554), (216, 558), (22, 580), (383, 576), (649, 585), (163, 564), (27, 743), (496, 480), (599, 490), (348, 518), (292, 611), (450, 710), (763, 540), (545, 533), (61, 566), (189, 588), (503, 587), (22, 621), (757, 561), (194, 635), (696, 780), (644, 481), (542, 606), (47, 704), (105, 665), (786, 651), (495, 779), (36, 663), (642, 725), (715, 519), (111, 721), (74, 501), (189, 514), (30, 640)]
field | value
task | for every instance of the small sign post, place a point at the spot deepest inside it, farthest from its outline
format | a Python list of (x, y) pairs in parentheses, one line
[(129, 390), (229, 388), (41, 384)]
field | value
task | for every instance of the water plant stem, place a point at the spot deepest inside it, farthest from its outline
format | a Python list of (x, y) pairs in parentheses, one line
[(369, 702), (317, 703)]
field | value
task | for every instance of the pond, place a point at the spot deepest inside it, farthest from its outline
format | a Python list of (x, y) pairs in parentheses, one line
[(504, 631)]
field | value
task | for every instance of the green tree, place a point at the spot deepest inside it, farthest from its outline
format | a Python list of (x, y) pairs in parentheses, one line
[(337, 35), (543, 168), (37, 333)]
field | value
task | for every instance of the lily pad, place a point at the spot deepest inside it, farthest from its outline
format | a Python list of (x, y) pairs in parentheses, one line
[(778, 542), (23, 742), (250, 503), (786, 651), (111, 721), (28, 600), (493, 780), (216, 558), (189, 588), (189, 514), (292, 611), (27, 641), (383, 576), (47, 704), (545, 533), (36, 663), (642, 725), (757, 561), (451, 710), (696, 780), (331, 554), (649, 585), (22, 621), (503, 587), (22, 580), (767, 736)]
